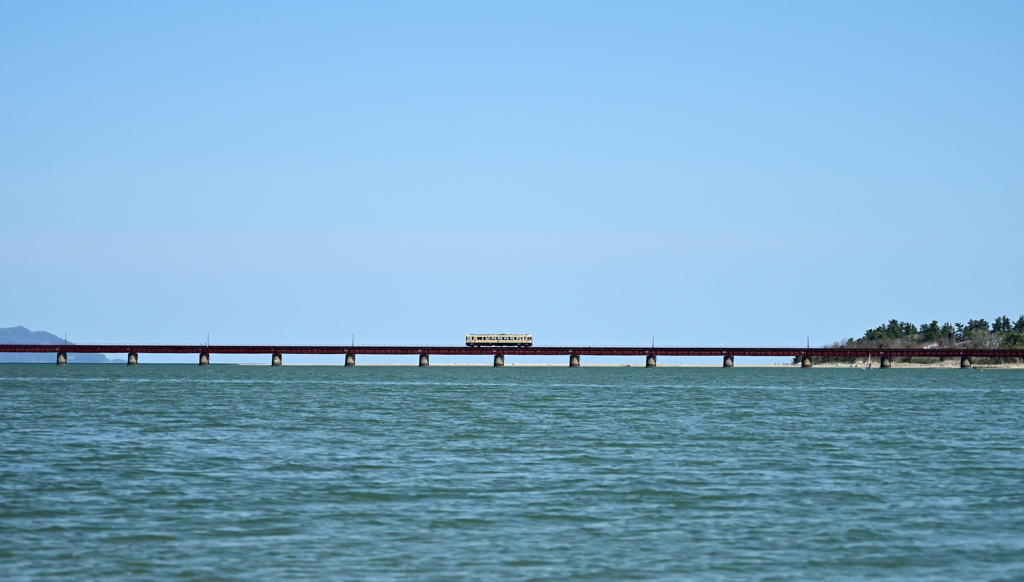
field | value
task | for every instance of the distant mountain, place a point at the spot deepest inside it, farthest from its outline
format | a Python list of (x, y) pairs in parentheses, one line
[(21, 335)]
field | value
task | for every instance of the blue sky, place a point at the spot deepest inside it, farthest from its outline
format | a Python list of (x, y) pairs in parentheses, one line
[(589, 172)]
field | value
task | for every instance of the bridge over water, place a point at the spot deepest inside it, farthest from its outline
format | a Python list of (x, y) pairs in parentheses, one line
[(650, 354)]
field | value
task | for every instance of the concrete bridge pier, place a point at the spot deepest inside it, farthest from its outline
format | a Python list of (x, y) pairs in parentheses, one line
[(965, 362), (350, 360), (886, 362), (204, 359), (62, 359), (499, 360), (652, 361), (133, 359), (805, 362), (574, 361), (728, 361), (424, 360), (275, 359)]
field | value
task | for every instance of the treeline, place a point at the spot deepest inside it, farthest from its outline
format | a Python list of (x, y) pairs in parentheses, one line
[(933, 332), (976, 333)]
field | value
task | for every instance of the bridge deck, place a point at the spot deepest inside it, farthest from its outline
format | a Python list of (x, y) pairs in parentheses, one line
[(520, 351)]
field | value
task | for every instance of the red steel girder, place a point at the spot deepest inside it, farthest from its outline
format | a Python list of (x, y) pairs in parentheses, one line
[(519, 351)]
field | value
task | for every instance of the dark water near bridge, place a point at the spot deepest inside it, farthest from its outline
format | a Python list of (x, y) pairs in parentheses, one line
[(444, 473)]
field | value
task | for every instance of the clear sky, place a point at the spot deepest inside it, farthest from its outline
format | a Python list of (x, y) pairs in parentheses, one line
[(593, 173)]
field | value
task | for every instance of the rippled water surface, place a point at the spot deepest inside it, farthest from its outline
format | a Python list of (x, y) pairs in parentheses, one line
[(474, 473)]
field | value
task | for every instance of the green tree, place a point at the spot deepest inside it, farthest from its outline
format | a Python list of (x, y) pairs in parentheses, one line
[(1002, 324), (976, 325), (959, 331), (878, 333), (887, 331), (1019, 326), (1013, 340), (931, 332), (895, 329)]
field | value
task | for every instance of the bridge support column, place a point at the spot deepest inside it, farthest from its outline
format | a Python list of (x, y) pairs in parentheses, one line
[(728, 361), (424, 360), (62, 359), (204, 359), (965, 362), (652, 361), (350, 360), (275, 359), (499, 360), (574, 361), (886, 362), (133, 359), (805, 362)]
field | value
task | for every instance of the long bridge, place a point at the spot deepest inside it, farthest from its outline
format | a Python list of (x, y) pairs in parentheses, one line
[(650, 354)]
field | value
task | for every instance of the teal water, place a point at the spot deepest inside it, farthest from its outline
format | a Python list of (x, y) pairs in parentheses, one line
[(473, 473)]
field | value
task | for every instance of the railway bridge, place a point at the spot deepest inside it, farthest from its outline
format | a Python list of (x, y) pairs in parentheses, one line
[(423, 353)]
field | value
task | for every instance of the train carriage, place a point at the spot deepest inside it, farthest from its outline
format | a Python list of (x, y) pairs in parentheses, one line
[(499, 339)]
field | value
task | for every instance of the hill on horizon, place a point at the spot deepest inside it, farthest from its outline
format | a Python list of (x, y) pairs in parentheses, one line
[(23, 335)]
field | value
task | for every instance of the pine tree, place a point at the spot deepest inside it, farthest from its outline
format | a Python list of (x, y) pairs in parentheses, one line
[(976, 325), (1002, 324)]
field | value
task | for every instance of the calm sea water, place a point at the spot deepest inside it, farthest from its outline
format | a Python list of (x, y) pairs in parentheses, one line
[(473, 473)]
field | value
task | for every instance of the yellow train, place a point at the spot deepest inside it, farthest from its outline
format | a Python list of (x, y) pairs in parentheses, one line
[(498, 339)]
